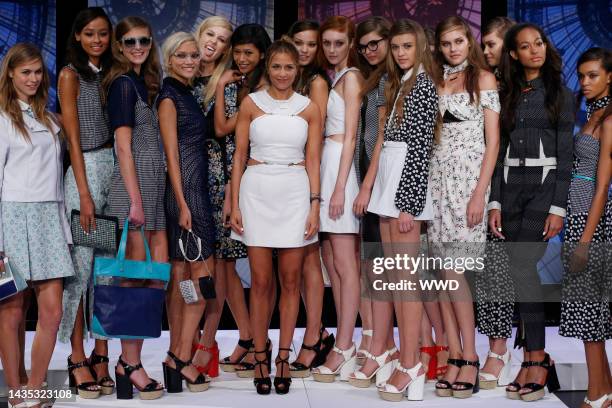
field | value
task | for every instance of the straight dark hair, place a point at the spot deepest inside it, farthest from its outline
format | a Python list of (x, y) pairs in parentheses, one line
[(252, 34), (309, 71), (76, 55), (513, 78), (605, 57)]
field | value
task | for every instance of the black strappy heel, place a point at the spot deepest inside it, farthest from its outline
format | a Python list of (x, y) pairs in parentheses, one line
[(228, 365), (89, 389), (321, 348), (536, 391), (443, 387), (463, 389), (282, 383), (263, 385), (247, 370), (107, 385), (512, 389), (125, 385), (174, 377)]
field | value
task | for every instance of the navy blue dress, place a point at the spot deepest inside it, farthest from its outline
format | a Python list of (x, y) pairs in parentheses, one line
[(191, 134)]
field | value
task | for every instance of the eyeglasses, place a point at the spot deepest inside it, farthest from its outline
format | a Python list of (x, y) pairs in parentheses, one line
[(372, 46), (132, 42), (185, 55)]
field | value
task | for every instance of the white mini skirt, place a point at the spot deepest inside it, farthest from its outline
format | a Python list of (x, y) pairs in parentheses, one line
[(348, 223), (390, 167)]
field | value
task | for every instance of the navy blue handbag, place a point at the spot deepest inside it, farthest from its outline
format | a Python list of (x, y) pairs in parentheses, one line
[(129, 295)]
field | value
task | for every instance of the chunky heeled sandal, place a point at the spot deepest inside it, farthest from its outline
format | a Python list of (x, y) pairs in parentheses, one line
[(443, 387), (413, 390), (536, 391), (489, 381), (107, 385), (598, 403), (212, 367), (344, 369), (379, 375), (228, 365), (125, 385), (263, 385), (512, 389), (282, 383), (174, 377), (463, 389), (441, 371), (321, 349), (360, 357), (89, 389), (247, 370)]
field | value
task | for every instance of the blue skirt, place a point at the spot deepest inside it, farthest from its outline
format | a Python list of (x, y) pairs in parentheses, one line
[(34, 240)]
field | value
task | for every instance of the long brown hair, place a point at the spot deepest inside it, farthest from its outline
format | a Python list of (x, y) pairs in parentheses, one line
[(19, 54), (150, 69), (475, 58), (380, 26), (344, 25), (423, 58)]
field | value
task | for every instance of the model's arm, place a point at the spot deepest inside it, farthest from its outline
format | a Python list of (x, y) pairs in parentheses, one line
[(352, 100), (319, 94), (313, 167), (240, 158), (224, 125), (4, 148)]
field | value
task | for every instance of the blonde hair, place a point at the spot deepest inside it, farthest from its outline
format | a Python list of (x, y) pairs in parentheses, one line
[(208, 92), (172, 44), (19, 54)]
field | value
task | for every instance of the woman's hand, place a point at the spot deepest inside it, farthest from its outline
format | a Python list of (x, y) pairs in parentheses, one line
[(229, 76), (405, 222), (136, 215), (580, 258), (87, 217), (312, 222), (227, 212), (495, 223), (360, 205), (236, 222), (552, 226), (475, 210), (184, 217), (336, 204)]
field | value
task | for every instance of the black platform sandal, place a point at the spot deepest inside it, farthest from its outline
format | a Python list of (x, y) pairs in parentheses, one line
[(263, 385), (443, 387), (125, 390), (463, 389), (321, 348), (536, 391), (282, 383), (228, 365), (89, 389), (512, 389), (247, 370), (107, 385), (174, 377)]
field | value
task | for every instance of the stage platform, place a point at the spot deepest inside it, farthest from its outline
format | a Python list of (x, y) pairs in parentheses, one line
[(229, 391)]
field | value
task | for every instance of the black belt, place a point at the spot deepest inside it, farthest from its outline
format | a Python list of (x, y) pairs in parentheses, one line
[(106, 145)]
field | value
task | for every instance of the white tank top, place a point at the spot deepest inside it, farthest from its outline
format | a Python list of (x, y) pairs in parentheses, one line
[(334, 122), (279, 135)]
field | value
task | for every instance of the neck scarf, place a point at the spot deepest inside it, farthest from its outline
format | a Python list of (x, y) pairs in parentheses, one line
[(449, 70), (597, 105)]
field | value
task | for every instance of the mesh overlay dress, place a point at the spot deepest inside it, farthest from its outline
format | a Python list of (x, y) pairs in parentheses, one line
[(193, 164)]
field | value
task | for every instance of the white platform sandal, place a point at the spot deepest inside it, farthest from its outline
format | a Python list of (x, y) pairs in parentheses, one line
[(361, 357), (598, 403), (413, 390), (346, 367), (489, 381), (380, 374)]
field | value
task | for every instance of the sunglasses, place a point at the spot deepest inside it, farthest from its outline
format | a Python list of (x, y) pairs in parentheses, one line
[(185, 55), (132, 42), (372, 46)]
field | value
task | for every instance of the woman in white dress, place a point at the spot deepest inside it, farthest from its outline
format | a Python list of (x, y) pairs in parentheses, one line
[(275, 203), (339, 189)]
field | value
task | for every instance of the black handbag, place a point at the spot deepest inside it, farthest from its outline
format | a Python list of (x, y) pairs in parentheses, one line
[(105, 237)]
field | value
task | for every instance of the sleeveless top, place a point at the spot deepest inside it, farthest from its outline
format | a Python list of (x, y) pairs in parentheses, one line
[(93, 119), (334, 123), (279, 135)]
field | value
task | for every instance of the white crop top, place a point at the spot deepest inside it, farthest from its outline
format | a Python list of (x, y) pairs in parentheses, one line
[(334, 122), (279, 135)]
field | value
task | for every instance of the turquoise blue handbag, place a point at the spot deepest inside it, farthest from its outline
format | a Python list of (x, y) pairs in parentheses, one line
[(124, 307)]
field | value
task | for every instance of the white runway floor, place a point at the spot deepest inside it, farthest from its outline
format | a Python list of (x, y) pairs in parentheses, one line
[(229, 391)]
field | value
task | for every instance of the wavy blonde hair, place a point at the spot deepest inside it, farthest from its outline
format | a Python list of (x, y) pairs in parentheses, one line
[(19, 54), (208, 92)]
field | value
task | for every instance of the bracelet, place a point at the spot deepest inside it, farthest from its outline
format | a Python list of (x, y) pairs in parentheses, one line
[(315, 198)]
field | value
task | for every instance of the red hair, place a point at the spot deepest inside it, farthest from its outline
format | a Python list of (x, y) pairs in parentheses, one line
[(343, 25)]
